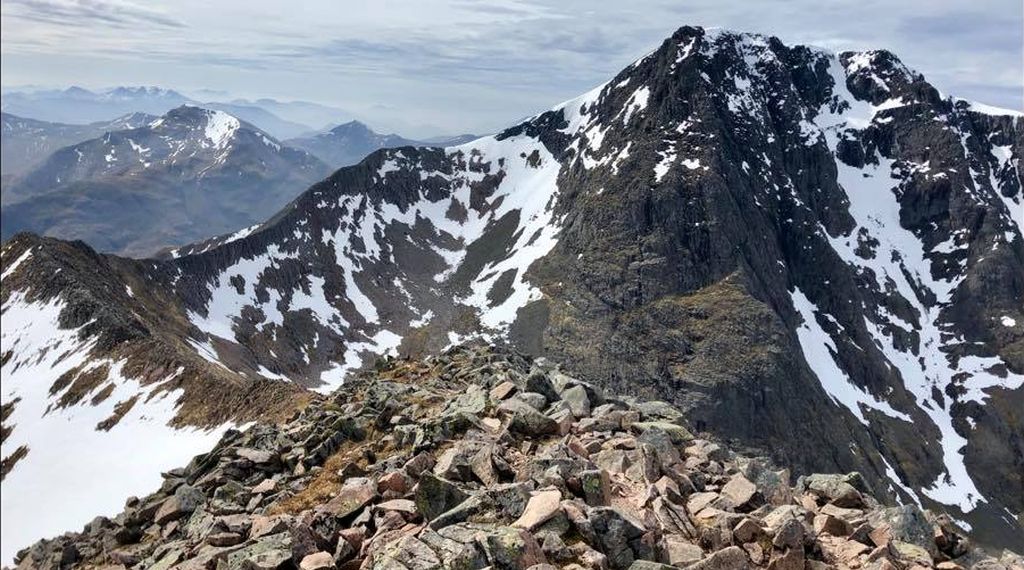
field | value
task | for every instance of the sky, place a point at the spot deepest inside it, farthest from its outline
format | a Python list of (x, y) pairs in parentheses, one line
[(428, 67)]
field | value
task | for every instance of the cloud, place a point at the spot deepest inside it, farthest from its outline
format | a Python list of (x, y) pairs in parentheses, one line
[(471, 65), (88, 13)]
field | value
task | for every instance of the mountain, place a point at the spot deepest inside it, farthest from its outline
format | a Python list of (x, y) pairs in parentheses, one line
[(814, 256), (481, 458), (190, 174), (266, 120), (301, 112), (77, 105), (27, 142), (349, 143)]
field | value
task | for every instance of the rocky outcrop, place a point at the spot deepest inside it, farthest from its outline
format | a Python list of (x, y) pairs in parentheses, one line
[(415, 466)]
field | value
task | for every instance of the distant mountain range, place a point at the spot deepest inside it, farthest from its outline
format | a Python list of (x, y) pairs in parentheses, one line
[(27, 142), (349, 143), (185, 176), (80, 106)]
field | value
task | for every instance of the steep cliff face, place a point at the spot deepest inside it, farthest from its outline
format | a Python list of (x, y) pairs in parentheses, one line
[(815, 255)]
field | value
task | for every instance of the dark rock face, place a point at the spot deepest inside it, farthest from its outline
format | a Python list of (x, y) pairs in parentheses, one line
[(812, 255), (341, 509), (137, 189)]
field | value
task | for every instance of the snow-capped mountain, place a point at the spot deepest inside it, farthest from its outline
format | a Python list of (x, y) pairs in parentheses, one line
[(349, 143), (27, 142), (187, 175), (815, 255)]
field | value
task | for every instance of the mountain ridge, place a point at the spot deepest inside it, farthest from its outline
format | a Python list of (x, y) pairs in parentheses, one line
[(480, 457)]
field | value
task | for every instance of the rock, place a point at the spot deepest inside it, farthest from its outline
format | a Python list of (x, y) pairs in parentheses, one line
[(747, 531), (502, 390), (535, 400), (619, 536), (835, 489), (399, 505), (265, 486), (529, 422), (611, 460), (224, 539), (906, 523), (828, 524), (268, 553), (184, 500), (790, 534), (596, 487), (578, 401), (396, 482), (257, 456), (731, 558), (791, 559), (511, 549), (543, 505), (648, 565), (656, 410), (540, 383), (435, 496), (698, 501), (680, 552), (317, 561), (664, 447), (355, 493), (417, 465), (679, 434), (740, 492), (454, 463), (481, 464), (264, 525)]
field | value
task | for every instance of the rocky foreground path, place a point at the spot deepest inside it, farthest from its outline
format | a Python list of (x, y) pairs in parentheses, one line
[(480, 458)]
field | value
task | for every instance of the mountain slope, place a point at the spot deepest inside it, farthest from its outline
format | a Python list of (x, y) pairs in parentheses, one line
[(279, 128), (347, 144), (812, 254), (457, 462), (191, 174), (27, 142)]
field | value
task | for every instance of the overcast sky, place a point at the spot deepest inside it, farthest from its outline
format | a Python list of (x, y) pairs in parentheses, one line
[(447, 66)]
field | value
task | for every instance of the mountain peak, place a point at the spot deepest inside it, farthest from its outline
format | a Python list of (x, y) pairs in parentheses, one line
[(351, 128)]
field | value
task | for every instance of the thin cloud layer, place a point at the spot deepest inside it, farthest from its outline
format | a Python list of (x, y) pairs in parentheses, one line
[(460, 65)]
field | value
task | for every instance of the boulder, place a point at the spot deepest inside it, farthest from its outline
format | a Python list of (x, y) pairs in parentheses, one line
[(577, 400), (355, 493), (529, 422), (731, 558), (833, 488), (435, 495), (317, 561), (543, 505), (740, 492), (184, 500)]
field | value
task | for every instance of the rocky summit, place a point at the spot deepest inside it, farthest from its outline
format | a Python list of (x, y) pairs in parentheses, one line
[(814, 256), (483, 458)]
